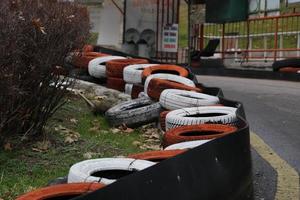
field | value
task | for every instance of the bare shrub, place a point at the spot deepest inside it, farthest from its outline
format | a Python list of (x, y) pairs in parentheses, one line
[(35, 37)]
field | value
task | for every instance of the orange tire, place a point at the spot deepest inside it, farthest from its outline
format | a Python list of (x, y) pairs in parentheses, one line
[(136, 90), (165, 69), (156, 156), (115, 68), (82, 60), (116, 83), (88, 48), (290, 69), (196, 132), (60, 191), (162, 119), (157, 86)]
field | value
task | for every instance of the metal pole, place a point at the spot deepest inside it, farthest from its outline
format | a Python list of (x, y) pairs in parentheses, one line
[(189, 33)]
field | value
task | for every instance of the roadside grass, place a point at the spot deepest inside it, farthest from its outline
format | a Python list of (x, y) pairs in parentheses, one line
[(26, 167)]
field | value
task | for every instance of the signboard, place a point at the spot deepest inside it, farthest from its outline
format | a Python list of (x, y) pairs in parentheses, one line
[(170, 38)]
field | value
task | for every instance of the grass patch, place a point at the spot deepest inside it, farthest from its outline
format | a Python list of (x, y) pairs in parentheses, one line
[(24, 168), (183, 25)]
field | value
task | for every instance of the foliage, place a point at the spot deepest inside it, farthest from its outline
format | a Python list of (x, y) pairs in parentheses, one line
[(35, 37)]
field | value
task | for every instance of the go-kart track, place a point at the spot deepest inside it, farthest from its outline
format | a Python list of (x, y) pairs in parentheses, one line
[(274, 116)]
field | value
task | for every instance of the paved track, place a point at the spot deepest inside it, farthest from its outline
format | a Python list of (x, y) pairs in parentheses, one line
[(273, 111)]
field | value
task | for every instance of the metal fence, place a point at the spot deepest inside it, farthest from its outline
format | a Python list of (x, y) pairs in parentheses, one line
[(257, 39)]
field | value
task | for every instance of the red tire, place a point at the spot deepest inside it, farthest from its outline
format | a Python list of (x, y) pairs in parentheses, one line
[(60, 191), (290, 70), (162, 119), (165, 69), (116, 83), (157, 86), (156, 156), (82, 61), (88, 48), (136, 90), (115, 68), (196, 132)]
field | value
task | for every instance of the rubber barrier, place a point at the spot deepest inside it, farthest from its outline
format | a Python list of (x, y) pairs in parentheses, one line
[(211, 172)]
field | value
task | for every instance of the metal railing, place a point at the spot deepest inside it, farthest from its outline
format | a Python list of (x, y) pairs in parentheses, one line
[(263, 39)]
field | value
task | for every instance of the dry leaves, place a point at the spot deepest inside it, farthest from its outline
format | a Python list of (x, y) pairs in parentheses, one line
[(42, 146), (70, 135), (7, 147)]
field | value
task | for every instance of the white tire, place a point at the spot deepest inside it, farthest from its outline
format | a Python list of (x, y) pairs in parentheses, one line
[(186, 145), (170, 77), (83, 171), (128, 89), (97, 68), (212, 114), (133, 73), (173, 99)]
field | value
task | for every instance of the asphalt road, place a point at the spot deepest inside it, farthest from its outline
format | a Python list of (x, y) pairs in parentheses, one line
[(273, 112)]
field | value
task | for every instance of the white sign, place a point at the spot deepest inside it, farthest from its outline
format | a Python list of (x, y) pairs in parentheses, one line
[(170, 38)]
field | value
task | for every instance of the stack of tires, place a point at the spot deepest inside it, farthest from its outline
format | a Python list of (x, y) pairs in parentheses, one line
[(165, 94), (188, 116), (114, 72)]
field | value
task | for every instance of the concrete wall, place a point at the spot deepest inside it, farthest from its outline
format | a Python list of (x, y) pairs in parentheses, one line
[(107, 20)]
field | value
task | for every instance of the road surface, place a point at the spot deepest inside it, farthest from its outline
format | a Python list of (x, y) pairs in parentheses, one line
[(273, 112)]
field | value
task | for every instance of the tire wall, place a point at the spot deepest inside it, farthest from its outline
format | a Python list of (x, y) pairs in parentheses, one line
[(220, 169)]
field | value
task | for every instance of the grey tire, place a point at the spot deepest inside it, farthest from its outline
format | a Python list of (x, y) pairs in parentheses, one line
[(134, 113)]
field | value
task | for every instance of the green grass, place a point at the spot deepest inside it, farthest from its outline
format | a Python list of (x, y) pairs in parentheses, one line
[(183, 25), (24, 169)]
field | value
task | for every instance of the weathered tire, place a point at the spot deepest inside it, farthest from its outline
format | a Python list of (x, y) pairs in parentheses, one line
[(90, 170), (170, 77), (128, 88), (82, 60), (196, 132), (173, 99), (162, 119), (293, 62), (136, 90), (61, 191), (115, 68), (97, 68), (293, 70), (133, 73), (165, 69), (156, 156), (88, 48), (134, 112), (201, 115), (116, 84), (187, 145), (157, 86)]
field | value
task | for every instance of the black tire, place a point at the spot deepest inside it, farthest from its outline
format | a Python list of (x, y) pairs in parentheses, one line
[(134, 113), (293, 62)]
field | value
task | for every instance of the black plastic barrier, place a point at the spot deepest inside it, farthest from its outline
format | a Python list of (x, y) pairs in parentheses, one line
[(218, 170)]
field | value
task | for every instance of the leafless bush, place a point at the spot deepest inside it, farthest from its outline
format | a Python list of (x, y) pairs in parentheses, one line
[(35, 37)]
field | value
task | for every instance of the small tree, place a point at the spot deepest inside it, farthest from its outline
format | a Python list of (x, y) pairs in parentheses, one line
[(35, 37)]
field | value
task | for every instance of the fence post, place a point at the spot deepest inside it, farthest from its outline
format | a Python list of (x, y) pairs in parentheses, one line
[(298, 44), (223, 41), (265, 47), (201, 37), (276, 39)]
